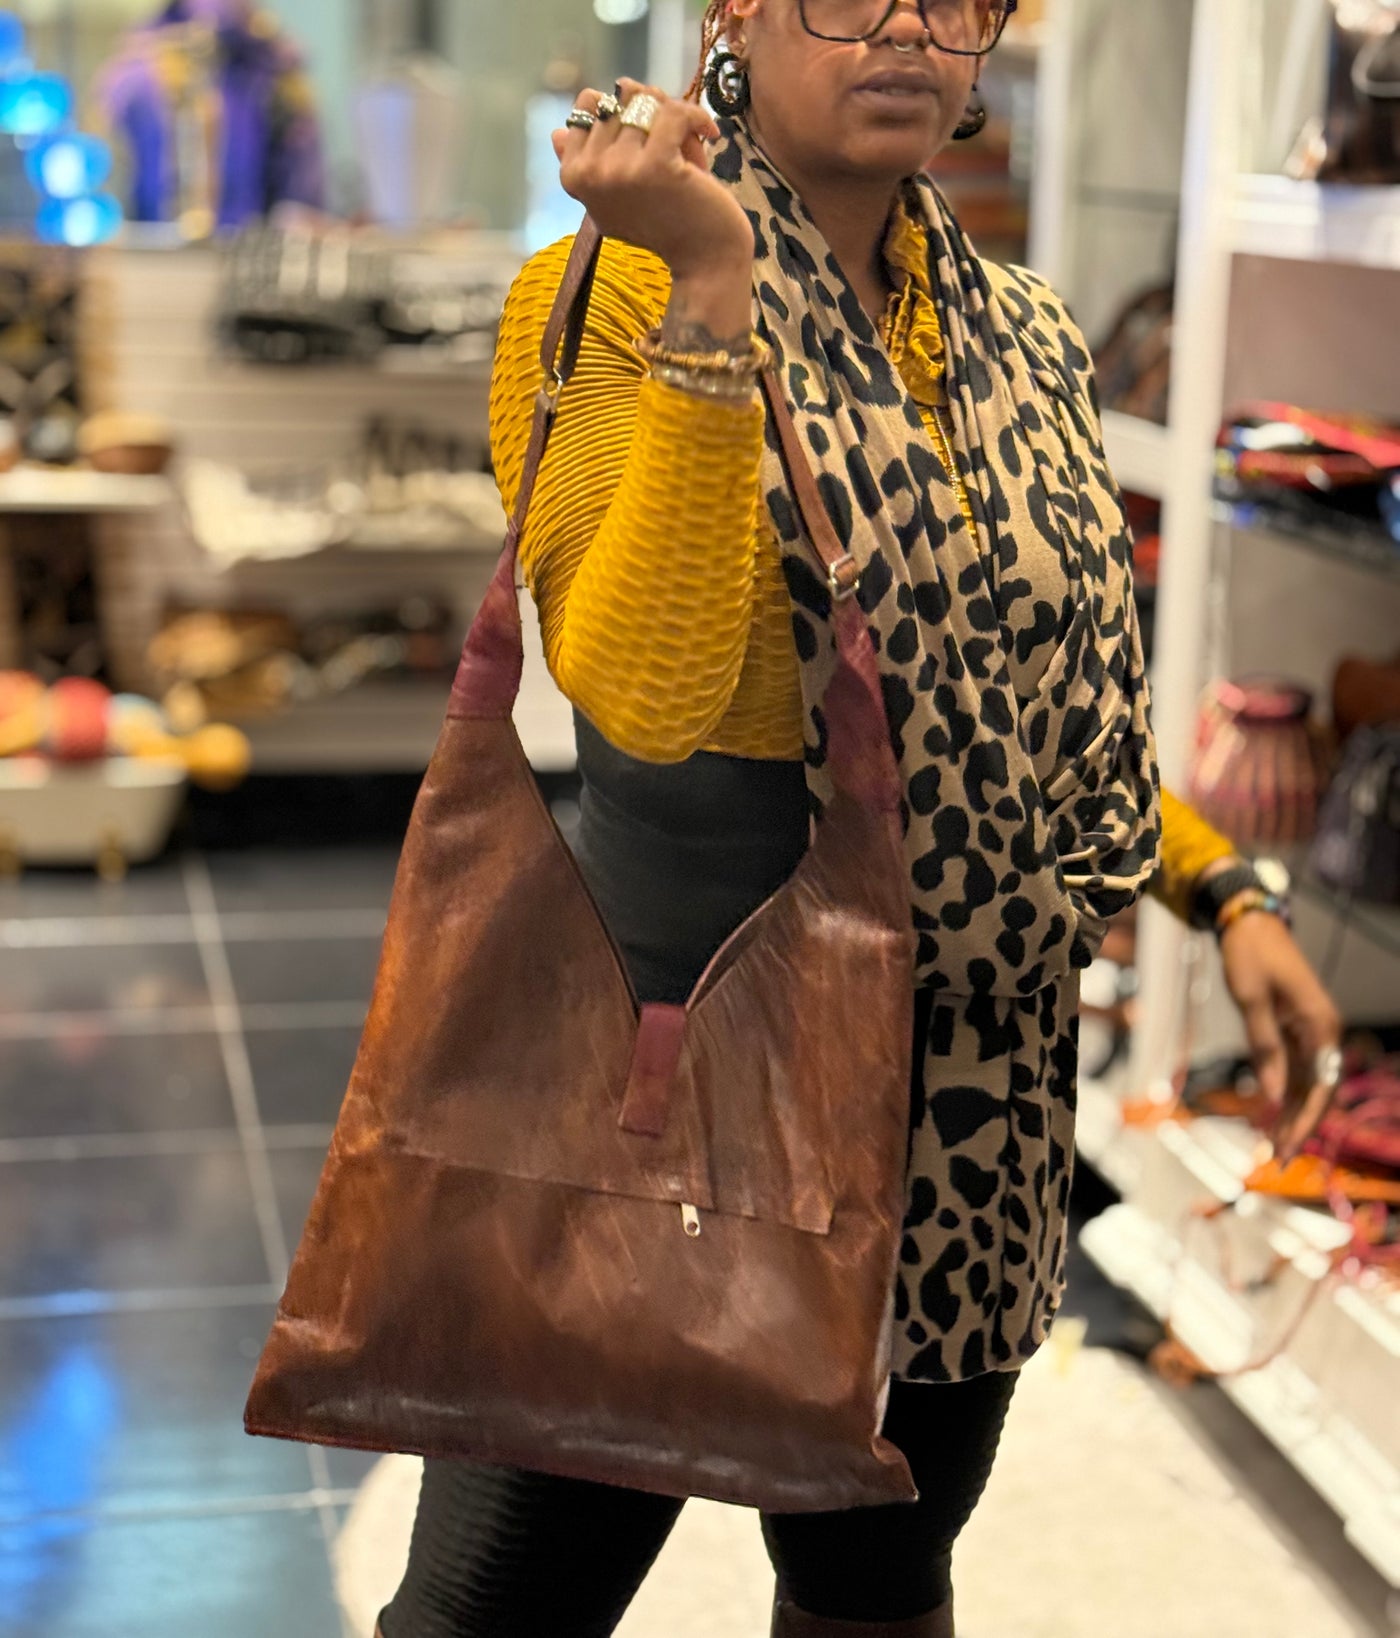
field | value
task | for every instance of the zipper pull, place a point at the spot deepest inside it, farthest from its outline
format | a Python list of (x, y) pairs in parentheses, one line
[(691, 1219)]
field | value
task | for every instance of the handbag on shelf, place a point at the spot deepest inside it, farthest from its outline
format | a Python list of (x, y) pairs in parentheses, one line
[(1260, 764), (652, 1245), (1358, 137), (1357, 851), (1134, 364), (1364, 693)]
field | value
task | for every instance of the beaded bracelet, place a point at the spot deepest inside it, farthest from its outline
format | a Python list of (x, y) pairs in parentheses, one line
[(1246, 903)]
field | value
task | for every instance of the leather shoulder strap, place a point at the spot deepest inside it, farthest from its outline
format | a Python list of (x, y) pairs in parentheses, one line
[(559, 352), (842, 571)]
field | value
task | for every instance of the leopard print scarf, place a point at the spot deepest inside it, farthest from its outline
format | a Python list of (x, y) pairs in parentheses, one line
[(1016, 696)]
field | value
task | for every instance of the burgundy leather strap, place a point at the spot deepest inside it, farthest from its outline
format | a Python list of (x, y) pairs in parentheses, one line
[(655, 1060)]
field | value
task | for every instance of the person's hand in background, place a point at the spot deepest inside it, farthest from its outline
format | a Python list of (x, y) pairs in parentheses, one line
[(1290, 1020)]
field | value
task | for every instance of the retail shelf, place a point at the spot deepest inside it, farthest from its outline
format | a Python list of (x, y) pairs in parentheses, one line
[(391, 726), (1280, 1398), (1317, 222), (1138, 453), (77, 489), (1361, 548), (1377, 922)]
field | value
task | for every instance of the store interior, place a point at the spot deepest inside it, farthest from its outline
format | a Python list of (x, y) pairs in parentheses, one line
[(252, 264)]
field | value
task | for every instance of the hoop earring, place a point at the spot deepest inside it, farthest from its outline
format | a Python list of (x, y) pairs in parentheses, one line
[(727, 85), (974, 121)]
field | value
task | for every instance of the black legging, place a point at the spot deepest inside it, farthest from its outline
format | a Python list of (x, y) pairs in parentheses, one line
[(499, 1553)]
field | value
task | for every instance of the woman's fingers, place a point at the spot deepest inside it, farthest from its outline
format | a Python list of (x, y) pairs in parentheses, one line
[(672, 123)]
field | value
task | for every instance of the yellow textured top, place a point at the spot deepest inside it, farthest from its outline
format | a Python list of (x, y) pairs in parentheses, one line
[(648, 550)]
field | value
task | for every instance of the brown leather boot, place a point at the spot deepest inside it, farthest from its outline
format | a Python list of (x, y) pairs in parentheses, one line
[(791, 1622)]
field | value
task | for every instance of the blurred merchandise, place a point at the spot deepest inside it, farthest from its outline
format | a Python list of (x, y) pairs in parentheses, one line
[(1260, 764), (78, 720), (40, 386), (214, 107), (1357, 850), (1134, 364), (1365, 692), (404, 488), (131, 445), (89, 777), (1358, 138), (247, 664), (1334, 471), (301, 295)]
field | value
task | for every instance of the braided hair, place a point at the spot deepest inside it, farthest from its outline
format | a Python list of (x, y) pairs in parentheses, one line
[(712, 28)]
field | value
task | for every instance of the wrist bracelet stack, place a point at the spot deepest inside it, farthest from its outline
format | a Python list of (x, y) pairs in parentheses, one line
[(1246, 903), (724, 375), (1236, 890)]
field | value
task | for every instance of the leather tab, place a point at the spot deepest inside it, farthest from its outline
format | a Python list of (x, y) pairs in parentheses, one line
[(655, 1060)]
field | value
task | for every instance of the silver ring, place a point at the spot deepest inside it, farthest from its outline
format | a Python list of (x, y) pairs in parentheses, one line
[(1328, 1067), (640, 113), (581, 120), (608, 106)]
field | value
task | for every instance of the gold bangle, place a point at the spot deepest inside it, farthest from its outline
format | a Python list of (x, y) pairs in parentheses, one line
[(727, 389), (721, 362)]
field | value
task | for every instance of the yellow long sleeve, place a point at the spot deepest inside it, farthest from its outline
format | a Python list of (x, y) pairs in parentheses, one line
[(1189, 846), (665, 613)]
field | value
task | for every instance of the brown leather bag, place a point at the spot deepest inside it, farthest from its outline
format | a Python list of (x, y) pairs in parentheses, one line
[(652, 1246)]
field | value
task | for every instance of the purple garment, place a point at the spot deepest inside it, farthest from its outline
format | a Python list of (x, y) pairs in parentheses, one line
[(271, 148)]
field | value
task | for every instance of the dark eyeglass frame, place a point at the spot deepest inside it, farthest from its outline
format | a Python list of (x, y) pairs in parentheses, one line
[(948, 51)]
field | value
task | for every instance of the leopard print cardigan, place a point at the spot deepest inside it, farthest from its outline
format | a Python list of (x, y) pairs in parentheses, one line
[(1016, 696)]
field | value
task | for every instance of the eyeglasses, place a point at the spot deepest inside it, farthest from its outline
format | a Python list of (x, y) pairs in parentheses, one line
[(960, 28)]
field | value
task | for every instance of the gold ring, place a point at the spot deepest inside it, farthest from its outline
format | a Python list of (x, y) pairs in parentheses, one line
[(640, 113)]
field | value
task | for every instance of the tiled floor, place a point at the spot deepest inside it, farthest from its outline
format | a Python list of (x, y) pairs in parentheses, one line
[(172, 1055)]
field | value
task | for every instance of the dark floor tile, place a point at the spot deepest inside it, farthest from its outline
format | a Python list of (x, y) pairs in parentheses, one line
[(306, 969), (245, 1575), (152, 890), (165, 1222), (90, 1081), (351, 878), (295, 1174), (138, 1411), (301, 1074), (101, 978)]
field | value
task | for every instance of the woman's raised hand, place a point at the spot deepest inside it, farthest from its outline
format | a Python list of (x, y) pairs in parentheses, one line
[(653, 187)]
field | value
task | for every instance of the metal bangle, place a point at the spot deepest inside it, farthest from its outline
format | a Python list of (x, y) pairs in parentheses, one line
[(726, 389)]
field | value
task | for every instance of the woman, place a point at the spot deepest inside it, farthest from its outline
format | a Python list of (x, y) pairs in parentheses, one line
[(948, 411)]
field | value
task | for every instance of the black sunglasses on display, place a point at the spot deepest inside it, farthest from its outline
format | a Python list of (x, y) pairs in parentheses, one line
[(959, 28)]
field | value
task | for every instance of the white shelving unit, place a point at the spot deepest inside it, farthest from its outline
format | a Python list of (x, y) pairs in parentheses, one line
[(1139, 452), (1306, 221), (1286, 291), (77, 489)]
